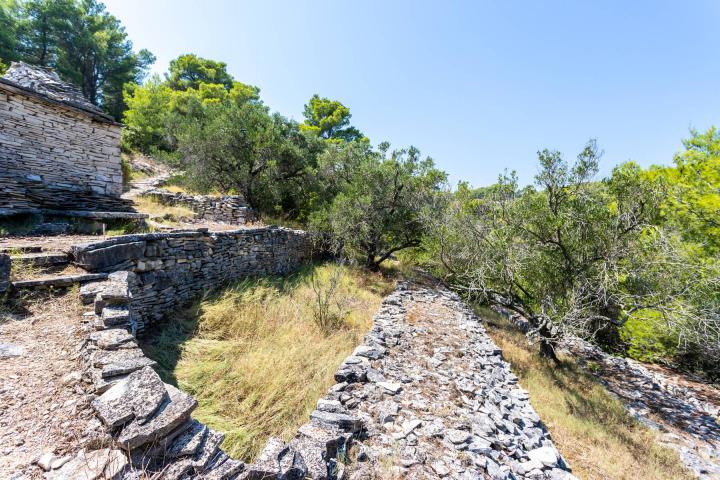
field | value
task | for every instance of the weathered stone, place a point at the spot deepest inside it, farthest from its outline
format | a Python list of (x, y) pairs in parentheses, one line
[(339, 420), (189, 441), (128, 365), (371, 352), (103, 258), (89, 291), (8, 350), (113, 338), (113, 316), (393, 388), (171, 414), (112, 406), (100, 358), (94, 465), (546, 455), (457, 436)]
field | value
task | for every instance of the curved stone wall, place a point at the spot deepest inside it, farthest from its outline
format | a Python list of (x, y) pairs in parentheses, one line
[(427, 395), (230, 209), (173, 269)]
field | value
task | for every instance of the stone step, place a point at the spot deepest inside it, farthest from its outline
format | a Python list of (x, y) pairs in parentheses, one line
[(92, 215), (58, 281), (22, 249), (43, 259)]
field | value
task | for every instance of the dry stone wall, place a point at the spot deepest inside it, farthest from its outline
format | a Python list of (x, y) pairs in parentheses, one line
[(230, 209), (50, 154), (395, 411), (5, 266), (175, 268)]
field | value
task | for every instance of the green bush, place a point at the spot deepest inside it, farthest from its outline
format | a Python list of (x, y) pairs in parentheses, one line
[(649, 338)]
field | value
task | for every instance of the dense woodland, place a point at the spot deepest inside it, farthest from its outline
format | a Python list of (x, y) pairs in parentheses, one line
[(630, 261)]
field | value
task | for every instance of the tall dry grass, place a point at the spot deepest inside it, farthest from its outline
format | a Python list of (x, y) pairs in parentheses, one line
[(589, 426), (255, 358), (159, 211)]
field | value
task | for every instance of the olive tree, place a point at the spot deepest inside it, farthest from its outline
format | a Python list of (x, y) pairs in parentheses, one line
[(375, 198), (554, 252)]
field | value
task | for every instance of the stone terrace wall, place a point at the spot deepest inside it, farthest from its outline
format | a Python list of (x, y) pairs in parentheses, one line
[(61, 149), (230, 209), (5, 265), (396, 411), (175, 268)]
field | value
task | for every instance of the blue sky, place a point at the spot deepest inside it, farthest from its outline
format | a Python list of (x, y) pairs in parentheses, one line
[(479, 86)]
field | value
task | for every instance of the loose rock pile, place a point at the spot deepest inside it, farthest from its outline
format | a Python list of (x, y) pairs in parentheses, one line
[(230, 209), (689, 424), (429, 395)]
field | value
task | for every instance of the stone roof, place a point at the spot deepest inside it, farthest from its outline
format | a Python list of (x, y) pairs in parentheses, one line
[(46, 83)]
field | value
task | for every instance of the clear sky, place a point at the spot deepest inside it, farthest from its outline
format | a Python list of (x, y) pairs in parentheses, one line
[(478, 85)]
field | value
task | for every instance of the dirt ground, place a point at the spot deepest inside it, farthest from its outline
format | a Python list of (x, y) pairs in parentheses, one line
[(43, 406)]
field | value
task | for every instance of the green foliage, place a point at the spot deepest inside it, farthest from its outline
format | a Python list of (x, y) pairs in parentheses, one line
[(375, 199), (190, 71), (239, 148), (329, 119), (127, 170), (81, 40), (618, 260), (156, 109), (693, 206), (648, 337), (8, 32)]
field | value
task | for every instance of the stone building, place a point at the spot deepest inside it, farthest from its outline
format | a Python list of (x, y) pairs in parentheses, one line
[(58, 151)]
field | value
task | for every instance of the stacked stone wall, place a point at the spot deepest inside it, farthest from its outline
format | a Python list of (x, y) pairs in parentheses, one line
[(392, 413), (5, 266), (175, 268), (230, 209), (54, 151)]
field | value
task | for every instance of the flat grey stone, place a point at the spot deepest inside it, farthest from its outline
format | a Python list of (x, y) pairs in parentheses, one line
[(138, 396), (546, 455), (457, 436), (126, 366), (113, 316), (339, 420), (393, 388), (112, 338), (8, 350), (208, 449), (188, 442), (367, 351), (226, 470), (171, 414), (100, 358)]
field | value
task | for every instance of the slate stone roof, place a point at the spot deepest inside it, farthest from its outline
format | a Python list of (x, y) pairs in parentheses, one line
[(45, 82)]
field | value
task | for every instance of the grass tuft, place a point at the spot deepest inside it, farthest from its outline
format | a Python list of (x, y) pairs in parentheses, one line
[(589, 426), (159, 212), (254, 356)]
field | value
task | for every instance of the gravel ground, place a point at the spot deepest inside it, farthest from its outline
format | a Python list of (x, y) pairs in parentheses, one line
[(43, 406)]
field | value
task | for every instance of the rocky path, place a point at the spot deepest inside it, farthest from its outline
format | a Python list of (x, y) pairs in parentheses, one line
[(138, 187), (438, 401), (686, 411), (44, 412)]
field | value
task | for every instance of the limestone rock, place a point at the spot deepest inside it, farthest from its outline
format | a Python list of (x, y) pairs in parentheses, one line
[(172, 413)]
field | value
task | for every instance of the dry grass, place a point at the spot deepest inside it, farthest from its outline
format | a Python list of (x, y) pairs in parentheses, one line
[(589, 426), (175, 189), (256, 360), (158, 211)]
